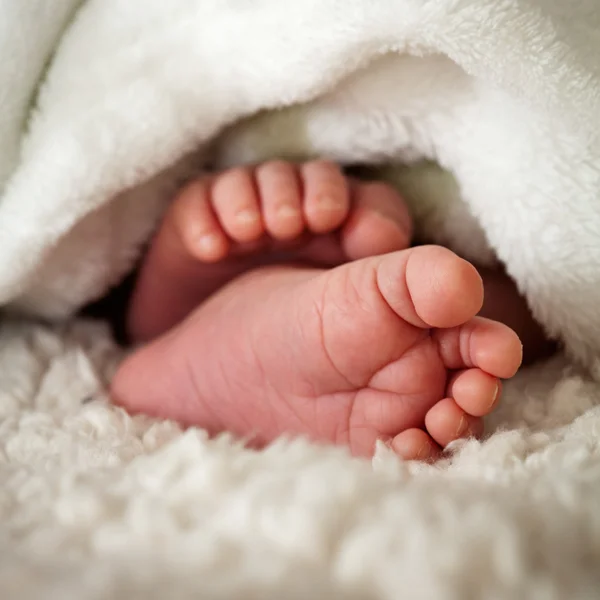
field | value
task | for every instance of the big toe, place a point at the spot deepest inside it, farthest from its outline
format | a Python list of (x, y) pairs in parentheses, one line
[(430, 287), (379, 222)]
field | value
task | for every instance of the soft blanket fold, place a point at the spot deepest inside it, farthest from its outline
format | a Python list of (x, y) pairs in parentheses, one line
[(484, 112), (503, 94)]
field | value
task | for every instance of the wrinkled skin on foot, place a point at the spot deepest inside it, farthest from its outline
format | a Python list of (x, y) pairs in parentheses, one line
[(382, 348)]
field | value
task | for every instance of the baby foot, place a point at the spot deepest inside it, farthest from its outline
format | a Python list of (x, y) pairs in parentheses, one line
[(385, 348), (223, 225)]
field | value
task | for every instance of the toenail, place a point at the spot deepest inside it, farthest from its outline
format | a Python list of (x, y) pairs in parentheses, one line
[(463, 427), (287, 212), (495, 396), (329, 203), (423, 451), (398, 221), (247, 216), (209, 242)]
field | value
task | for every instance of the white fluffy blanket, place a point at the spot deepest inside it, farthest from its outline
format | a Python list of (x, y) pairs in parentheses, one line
[(106, 105), (95, 504)]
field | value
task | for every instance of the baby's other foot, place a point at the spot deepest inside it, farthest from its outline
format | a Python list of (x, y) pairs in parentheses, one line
[(385, 348), (223, 225)]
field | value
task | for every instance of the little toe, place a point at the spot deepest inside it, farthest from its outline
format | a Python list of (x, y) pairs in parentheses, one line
[(197, 225), (326, 196), (447, 422), (475, 391), (430, 286), (379, 221), (235, 201), (491, 346), (415, 444), (279, 191)]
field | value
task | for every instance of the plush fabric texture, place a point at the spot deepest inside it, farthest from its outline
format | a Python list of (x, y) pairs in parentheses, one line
[(483, 111), (103, 96), (95, 504)]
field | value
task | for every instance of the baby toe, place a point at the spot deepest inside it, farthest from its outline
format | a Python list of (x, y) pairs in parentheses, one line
[(430, 286), (326, 196), (379, 221), (488, 345), (236, 204), (279, 191), (446, 290), (192, 219), (415, 444), (475, 391), (447, 422)]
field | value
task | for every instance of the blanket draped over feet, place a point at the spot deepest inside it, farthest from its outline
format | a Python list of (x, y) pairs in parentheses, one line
[(485, 111)]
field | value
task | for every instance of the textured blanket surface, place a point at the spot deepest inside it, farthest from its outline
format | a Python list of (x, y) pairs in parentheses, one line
[(103, 102), (106, 106), (96, 505)]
